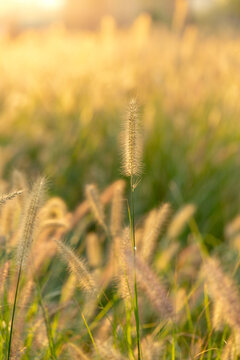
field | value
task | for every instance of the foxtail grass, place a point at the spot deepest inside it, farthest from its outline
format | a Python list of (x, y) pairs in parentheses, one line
[(181, 218), (224, 292), (132, 168), (132, 142), (78, 267), (125, 278), (153, 227), (153, 288), (96, 206), (108, 352), (25, 241), (76, 352), (93, 247), (117, 211), (3, 277), (4, 198)]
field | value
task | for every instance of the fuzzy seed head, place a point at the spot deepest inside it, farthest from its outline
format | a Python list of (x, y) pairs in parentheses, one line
[(179, 221), (69, 288), (117, 211), (29, 220), (76, 353), (125, 273), (217, 318), (233, 227), (3, 277), (78, 267), (4, 198), (223, 291), (108, 352), (152, 286), (151, 349), (95, 204), (231, 350), (132, 142), (94, 253), (153, 227)]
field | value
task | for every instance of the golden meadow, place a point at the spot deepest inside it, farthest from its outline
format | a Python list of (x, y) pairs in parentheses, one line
[(63, 98)]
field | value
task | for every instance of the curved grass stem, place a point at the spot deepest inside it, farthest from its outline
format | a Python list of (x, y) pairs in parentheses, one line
[(13, 312)]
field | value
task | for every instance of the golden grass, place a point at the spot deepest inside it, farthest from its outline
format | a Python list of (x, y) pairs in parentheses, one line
[(89, 312), (161, 306)]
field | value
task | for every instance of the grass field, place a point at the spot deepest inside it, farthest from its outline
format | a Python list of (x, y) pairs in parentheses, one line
[(63, 98)]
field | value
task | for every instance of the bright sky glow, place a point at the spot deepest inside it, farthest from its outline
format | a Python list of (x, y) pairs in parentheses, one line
[(7, 6), (205, 5)]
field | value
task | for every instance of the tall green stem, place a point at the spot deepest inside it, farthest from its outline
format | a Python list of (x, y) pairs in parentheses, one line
[(46, 320), (134, 260), (13, 312)]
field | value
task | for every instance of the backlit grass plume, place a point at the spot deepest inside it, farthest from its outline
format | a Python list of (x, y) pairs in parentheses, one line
[(3, 277), (152, 349), (78, 267), (26, 238), (108, 352), (125, 273), (231, 350), (19, 181), (4, 198), (153, 227), (155, 290), (233, 227), (224, 293), (217, 318), (132, 167), (76, 353), (117, 210), (93, 248), (29, 220), (96, 205), (132, 142), (180, 220)]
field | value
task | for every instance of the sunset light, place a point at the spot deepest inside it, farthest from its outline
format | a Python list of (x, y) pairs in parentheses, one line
[(10, 6), (119, 180)]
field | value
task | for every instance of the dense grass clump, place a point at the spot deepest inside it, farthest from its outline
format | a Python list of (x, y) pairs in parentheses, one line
[(143, 294), (119, 300)]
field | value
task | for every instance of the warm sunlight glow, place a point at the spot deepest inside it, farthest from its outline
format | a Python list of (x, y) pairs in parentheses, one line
[(9, 6)]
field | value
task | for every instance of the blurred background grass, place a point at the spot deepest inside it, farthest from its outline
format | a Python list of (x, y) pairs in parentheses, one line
[(67, 72)]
